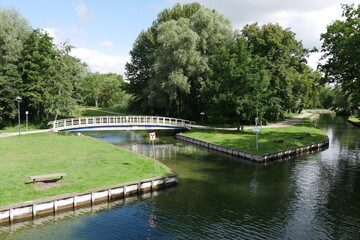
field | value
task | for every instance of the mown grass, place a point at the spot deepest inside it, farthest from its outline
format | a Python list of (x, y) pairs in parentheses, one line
[(88, 163), (246, 140)]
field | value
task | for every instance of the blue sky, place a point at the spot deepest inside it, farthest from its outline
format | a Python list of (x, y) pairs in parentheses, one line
[(103, 31)]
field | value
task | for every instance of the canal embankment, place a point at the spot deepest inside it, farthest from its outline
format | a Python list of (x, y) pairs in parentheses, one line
[(273, 143), (108, 171)]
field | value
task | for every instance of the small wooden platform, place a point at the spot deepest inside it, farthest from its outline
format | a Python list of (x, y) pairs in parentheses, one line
[(47, 177)]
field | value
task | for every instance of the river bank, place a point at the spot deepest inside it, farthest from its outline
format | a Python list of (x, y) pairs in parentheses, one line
[(88, 163), (284, 139), (354, 121)]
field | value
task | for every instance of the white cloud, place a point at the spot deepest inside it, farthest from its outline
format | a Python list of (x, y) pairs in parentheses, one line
[(108, 43), (55, 33), (83, 12), (307, 18), (100, 62)]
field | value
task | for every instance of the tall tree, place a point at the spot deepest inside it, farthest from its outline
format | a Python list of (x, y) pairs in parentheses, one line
[(14, 29), (58, 95), (342, 54), (35, 62), (140, 69), (285, 58), (182, 40), (238, 83)]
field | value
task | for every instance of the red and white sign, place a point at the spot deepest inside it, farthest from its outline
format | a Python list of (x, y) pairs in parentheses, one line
[(152, 136)]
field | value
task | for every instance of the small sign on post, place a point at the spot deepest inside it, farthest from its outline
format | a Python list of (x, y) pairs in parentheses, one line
[(152, 137)]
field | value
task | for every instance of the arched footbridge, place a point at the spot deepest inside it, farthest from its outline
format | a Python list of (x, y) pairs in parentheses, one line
[(119, 123)]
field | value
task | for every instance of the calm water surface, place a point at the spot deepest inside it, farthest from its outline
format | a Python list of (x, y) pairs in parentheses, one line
[(311, 197)]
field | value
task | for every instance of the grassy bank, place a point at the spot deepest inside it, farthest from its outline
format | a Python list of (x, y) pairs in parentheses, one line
[(354, 119), (292, 136), (87, 162)]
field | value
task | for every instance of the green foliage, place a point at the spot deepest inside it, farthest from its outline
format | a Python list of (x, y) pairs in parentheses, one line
[(291, 81), (49, 80), (189, 61), (104, 90), (342, 54), (238, 82), (170, 60), (14, 29)]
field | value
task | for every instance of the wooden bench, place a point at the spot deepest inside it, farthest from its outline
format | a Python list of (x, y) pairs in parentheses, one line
[(47, 177)]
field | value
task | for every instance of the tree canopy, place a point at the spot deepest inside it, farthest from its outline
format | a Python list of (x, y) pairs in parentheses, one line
[(49, 80), (341, 53)]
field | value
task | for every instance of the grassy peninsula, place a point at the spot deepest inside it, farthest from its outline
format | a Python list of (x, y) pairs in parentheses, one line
[(300, 134), (88, 163)]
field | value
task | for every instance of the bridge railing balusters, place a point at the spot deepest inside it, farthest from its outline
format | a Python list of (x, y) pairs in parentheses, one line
[(64, 124)]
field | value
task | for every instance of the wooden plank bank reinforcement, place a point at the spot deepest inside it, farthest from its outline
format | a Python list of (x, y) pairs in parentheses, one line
[(49, 206), (255, 157)]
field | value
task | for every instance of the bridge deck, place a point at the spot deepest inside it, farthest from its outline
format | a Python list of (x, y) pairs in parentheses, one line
[(102, 121)]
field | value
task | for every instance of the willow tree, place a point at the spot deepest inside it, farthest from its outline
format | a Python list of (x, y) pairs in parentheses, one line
[(183, 40)]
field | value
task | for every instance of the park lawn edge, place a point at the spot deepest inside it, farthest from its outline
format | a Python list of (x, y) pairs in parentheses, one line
[(354, 121), (15, 172), (310, 133)]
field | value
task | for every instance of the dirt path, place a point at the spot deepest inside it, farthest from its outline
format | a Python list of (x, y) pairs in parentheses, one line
[(285, 123)]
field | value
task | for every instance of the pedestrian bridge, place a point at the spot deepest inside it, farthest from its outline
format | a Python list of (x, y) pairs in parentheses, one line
[(119, 123)]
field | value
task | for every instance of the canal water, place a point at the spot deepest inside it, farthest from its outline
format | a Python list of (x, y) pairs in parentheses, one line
[(315, 196)]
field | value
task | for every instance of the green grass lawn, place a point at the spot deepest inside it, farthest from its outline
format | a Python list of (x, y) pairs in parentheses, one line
[(88, 163), (246, 140)]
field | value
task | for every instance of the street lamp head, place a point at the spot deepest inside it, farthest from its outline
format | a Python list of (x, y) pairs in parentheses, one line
[(202, 113), (18, 99)]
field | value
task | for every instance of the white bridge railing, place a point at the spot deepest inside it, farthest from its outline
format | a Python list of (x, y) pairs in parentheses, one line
[(71, 123)]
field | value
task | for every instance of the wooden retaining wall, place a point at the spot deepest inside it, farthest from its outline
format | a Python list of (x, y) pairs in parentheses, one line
[(255, 157), (68, 202)]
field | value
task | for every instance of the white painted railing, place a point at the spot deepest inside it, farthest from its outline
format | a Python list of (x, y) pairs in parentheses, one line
[(70, 123)]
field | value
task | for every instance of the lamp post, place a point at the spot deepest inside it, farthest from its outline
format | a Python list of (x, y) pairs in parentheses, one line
[(18, 99), (202, 117), (27, 120)]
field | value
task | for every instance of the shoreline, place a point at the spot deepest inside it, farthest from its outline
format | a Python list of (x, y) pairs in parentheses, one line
[(30, 210), (356, 124), (257, 157)]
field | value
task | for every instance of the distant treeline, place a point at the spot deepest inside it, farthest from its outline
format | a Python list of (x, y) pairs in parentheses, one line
[(49, 80), (190, 61)]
